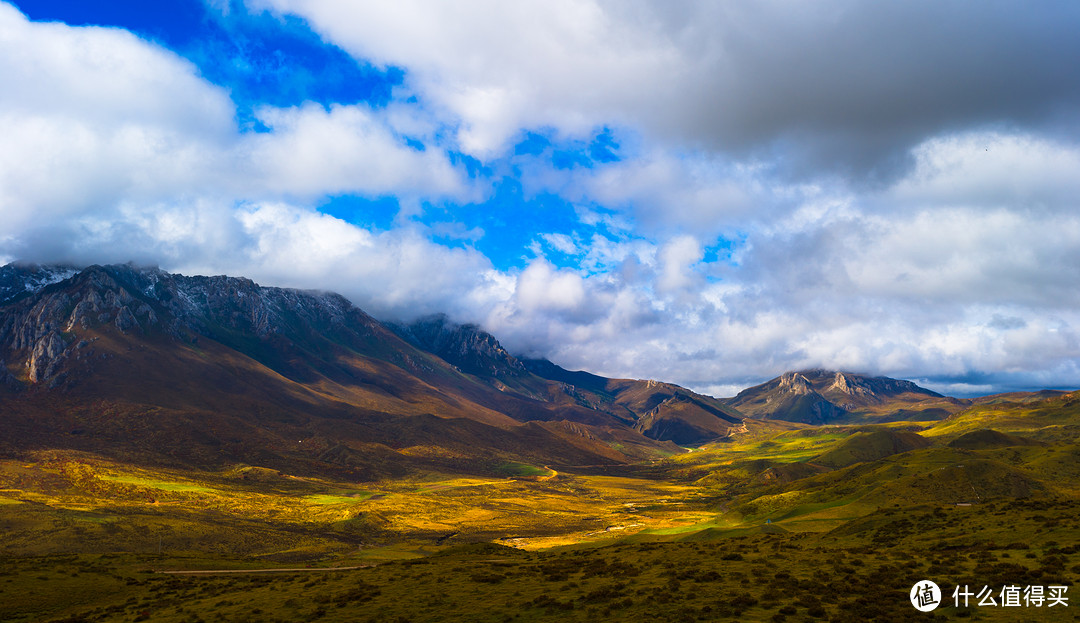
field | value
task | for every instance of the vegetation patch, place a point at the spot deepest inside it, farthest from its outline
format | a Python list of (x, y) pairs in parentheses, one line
[(339, 498), (519, 470)]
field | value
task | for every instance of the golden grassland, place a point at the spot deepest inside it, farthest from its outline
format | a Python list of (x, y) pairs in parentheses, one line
[(760, 527), (861, 574), (93, 504)]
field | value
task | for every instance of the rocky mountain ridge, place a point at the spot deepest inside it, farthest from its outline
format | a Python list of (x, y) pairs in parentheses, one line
[(466, 346), (223, 367), (54, 318), (657, 410), (827, 396), (43, 322)]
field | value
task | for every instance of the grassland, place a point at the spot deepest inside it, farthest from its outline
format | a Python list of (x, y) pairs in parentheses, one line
[(777, 523), (64, 502), (860, 574)]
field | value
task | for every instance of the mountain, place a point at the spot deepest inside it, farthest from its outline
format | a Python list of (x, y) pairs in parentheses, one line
[(824, 396), (144, 365), (22, 280), (467, 347), (660, 411)]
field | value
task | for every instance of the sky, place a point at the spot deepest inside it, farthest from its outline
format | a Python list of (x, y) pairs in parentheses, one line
[(706, 193)]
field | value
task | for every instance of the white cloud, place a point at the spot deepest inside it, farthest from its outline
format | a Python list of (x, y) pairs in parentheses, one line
[(312, 151), (837, 86), (502, 66), (980, 255), (561, 243), (109, 75), (105, 132), (93, 115), (387, 273), (677, 258), (669, 193), (963, 264), (914, 279), (542, 287), (992, 169)]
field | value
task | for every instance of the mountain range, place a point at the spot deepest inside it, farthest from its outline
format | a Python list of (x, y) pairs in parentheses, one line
[(144, 365), (148, 365)]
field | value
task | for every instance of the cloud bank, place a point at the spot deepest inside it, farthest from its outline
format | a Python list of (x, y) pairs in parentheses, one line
[(886, 188)]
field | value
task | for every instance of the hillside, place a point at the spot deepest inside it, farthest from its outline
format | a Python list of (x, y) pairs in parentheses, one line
[(659, 411)]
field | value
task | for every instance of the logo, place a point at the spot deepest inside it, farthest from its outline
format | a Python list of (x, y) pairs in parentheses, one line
[(925, 596)]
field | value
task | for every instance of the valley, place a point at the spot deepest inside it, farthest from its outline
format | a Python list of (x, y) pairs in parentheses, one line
[(154, 422), (807, 523)]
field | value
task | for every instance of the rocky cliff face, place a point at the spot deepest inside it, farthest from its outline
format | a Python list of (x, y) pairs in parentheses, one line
[(51, 313), (19, 280), (852, 390), (795, 383), (467, 347)]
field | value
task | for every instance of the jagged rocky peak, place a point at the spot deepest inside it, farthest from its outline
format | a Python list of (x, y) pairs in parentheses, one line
[(466, 346), (871, 387), (57, 309), (796, 383), (21, 279), (850, 384), (819, 396), (41, 325), (856, 386), (100, 298)]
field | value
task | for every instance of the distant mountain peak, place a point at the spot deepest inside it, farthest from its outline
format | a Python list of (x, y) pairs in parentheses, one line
[(796, 383), (819, 396)]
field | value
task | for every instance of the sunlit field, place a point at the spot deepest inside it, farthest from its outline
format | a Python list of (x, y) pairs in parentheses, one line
[(799, 523)]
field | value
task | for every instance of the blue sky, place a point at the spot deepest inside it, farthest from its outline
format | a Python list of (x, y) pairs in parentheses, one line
[(709, 194), (266, 59)]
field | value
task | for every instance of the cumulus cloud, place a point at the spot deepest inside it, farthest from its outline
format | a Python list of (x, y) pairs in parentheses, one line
[(677, 258), (387, 273), (541, 287), (111, 76), (993, 169), (90, 115), (108, 136), (842, 85), (757, 130), (668, 192), (933, 273), (500, 67), (117, 150), (311, 151)]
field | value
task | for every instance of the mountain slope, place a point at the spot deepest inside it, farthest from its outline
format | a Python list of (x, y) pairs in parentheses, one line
[(660, 411)]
